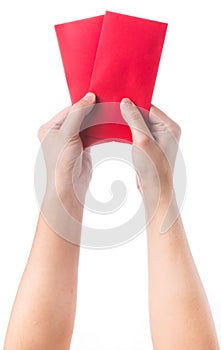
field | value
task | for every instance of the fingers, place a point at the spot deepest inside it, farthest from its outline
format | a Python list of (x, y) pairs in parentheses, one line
[(157, 117), (54, 123), (72, 123), (157, 114), (69, 119), (139, 129)]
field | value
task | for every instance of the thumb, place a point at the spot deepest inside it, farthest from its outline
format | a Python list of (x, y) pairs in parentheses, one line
[(133, 117), (72, 123)]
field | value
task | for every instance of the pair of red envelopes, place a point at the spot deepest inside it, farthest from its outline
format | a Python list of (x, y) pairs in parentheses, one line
[(114, 56)]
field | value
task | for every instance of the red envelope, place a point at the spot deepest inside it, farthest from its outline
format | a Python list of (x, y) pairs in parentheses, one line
[(78, 43), (114, 56)]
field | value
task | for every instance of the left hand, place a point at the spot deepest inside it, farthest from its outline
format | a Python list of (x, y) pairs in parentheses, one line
[(68, 165)]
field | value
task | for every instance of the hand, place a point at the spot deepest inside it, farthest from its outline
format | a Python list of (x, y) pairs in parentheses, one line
[(68, 166), (155, 146)]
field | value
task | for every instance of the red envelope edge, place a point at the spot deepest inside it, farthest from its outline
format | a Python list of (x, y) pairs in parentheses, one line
[(111, 127), (116, 134), (127, 59), (78, 43), (121, 60)]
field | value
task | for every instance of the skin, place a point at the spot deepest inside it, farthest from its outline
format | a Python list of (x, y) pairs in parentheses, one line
[(44, 309), (180, 316)]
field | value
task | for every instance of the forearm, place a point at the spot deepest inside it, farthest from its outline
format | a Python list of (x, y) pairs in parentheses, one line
[(44, 309), (180, 316)]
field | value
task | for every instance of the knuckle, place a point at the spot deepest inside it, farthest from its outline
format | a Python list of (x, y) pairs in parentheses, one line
[(142, 141), (41, 131), (175, 129), (80, 107), (179, 130), (44, 130), (134, 114)]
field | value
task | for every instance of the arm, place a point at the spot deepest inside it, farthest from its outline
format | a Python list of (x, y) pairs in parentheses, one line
[(44, 309), (180, 316)]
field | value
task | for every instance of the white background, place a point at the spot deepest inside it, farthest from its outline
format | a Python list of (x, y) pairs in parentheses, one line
[(112, 305)]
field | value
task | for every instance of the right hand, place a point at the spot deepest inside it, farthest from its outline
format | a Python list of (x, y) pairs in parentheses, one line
[(155, 146)]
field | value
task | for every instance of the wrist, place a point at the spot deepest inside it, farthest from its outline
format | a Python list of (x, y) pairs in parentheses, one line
[(158, 201), (64, 217), (71, 197), (63, 204), (161, 211), (158, 191)]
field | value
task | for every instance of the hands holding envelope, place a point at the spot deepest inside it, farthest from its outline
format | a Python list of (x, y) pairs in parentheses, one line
[(116, 68), (52, 267), (154, 148), (113, 56)]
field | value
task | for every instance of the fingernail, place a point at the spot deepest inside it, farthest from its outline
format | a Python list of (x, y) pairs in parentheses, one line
[(127, 103), (89, 97)]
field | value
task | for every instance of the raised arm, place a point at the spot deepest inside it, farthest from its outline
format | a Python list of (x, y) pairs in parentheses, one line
[(180, 316), (44, 309)]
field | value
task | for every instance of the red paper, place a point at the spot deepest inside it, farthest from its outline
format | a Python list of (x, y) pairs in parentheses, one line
[(114, 56), (78, 43)]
